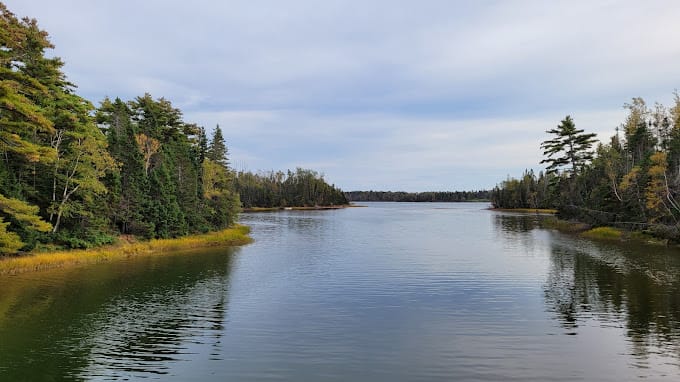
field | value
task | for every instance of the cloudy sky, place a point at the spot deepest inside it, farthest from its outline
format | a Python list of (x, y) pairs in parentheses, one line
[(384, 95)]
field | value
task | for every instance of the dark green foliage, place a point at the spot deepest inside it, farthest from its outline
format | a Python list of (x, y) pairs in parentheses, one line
[(291, 189), (217, 150), (570, 147), (530, 191), (165, 212), (129, 187), (159, 191), (202, 144)]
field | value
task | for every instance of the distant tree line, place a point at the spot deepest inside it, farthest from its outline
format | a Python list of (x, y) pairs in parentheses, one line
[(632, 181), (400, 196), (302, 187), (72, 175)]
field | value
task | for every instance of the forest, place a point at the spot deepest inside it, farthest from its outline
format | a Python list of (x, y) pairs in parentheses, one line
[(73, 175), (632, 181), (435, 196), (301, 188)]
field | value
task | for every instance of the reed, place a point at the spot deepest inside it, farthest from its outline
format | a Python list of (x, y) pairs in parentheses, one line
[(237, 235)]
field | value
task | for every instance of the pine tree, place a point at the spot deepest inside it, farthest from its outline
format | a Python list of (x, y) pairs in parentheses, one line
[(570, 150)]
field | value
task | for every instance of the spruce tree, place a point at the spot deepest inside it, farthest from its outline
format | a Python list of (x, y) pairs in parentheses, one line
[(202, 144), (217, 150)]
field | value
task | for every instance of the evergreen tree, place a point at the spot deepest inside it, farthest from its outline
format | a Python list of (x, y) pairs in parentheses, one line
[(202, 144), (165, 211), (24, 128), (217, 150), (129, 188), (277, 189), (223, 204), (570, 147)]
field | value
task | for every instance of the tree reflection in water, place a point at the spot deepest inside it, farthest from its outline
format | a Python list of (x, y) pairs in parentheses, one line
[(610, 284)]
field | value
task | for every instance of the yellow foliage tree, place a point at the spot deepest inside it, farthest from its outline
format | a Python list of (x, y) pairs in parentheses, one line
[(148, 146), (23, 212), (10, 242), (660, 202)]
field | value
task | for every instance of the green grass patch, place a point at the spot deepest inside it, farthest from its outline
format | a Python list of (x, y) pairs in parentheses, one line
[(237, 235), (607, 233)]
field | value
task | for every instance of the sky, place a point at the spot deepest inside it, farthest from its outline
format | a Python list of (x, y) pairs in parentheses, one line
[(376, 95)]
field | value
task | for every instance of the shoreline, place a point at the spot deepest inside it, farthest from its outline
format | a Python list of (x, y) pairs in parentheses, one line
[(545, 211), (309, 208), (604, 233), (601, 233), (38, 261)]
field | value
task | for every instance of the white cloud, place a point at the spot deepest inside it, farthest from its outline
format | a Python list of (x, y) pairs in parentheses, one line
[(368, 151), (435, 94)]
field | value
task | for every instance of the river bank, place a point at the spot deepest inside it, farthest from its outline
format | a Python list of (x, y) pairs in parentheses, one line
[(237, 235), (605, 233)]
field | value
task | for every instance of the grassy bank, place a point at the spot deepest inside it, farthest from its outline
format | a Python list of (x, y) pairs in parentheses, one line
[(602, 233), (237, 235)]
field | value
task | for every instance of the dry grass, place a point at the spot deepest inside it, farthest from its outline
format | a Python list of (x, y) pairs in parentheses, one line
[(237, 235)]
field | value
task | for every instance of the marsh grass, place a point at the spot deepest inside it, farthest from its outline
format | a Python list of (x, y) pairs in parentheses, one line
[(237, 235), (608, 233)]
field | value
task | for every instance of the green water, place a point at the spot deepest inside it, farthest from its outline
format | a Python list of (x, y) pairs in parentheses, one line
[(395, 292)]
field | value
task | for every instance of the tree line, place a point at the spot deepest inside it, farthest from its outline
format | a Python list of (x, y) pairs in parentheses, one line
[(75, 175), (434, 196), (301, 187), (631, 181)]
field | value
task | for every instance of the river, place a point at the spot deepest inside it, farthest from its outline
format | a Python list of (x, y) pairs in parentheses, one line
[(388, 292)]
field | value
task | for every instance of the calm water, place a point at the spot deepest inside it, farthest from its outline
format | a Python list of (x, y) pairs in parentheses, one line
[(394, 292)]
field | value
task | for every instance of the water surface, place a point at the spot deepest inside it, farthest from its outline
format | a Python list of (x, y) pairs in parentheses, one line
[(398, 292)]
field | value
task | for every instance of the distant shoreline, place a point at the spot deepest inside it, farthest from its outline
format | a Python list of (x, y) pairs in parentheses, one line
[(422, 201), (304, 208), (418, 197)]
